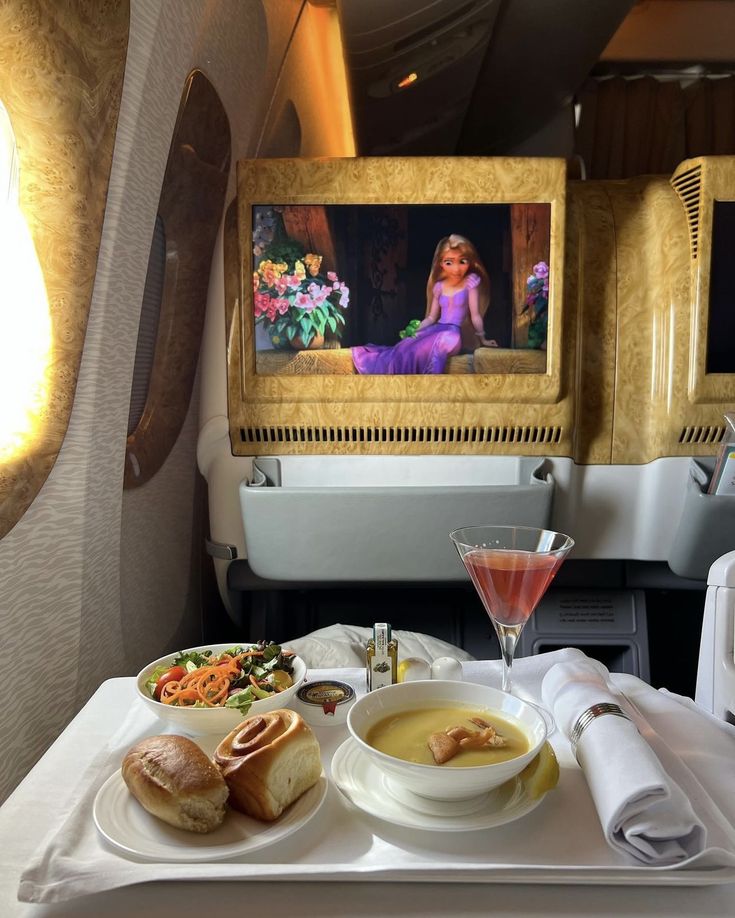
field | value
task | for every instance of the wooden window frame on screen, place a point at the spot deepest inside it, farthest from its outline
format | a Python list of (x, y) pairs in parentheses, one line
[(402, 401)]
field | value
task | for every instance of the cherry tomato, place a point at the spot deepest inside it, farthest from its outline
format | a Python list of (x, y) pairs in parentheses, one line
[(171, 675)]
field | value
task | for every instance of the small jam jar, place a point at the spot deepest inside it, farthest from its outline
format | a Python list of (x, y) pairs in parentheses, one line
[(325, 702)]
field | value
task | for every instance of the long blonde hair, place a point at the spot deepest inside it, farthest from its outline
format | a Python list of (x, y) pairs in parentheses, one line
[(461, 244)]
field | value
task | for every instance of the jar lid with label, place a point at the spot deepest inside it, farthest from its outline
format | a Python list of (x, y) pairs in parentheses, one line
[(324, 702)]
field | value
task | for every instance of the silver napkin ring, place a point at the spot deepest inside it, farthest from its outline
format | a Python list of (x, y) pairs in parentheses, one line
[(588, 715)]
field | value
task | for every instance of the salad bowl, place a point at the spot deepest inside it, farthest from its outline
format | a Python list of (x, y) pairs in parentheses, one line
[(200, 720)]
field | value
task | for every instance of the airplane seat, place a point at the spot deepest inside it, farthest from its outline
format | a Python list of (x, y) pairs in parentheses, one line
[(715, 689)]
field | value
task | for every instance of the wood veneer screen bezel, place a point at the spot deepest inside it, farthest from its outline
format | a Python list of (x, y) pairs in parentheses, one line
[(716, 183), (385, 180)]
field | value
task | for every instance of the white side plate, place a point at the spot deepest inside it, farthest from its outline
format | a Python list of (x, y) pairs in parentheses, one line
[(123, 822)]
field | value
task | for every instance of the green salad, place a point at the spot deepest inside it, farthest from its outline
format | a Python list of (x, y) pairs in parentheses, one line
[(231, 678)]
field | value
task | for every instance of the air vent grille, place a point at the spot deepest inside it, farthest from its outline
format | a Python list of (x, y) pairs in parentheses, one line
[(711, 434), (688, 185), (501, 434)]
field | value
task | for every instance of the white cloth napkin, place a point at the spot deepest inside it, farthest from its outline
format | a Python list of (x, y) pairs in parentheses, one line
[(339, 646), (642, 810)]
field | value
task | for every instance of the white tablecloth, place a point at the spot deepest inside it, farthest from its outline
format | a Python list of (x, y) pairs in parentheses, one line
[(564, 826)]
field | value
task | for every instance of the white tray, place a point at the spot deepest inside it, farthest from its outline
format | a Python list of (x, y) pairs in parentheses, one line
[(558, 842), (343, 842)]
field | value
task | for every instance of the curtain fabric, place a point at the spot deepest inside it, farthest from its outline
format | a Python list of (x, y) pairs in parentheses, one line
[(645, 126)]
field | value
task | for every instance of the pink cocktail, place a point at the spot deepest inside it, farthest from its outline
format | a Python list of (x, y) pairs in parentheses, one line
[(511, 568), (511, 583)]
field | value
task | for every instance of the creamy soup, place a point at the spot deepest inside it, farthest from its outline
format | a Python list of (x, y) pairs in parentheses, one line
[(405, 735)]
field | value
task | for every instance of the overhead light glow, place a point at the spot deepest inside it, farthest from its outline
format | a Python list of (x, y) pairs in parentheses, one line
[(407, 80), (25, 323)]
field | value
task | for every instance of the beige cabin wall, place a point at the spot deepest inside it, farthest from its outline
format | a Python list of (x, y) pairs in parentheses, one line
[(93, 579)]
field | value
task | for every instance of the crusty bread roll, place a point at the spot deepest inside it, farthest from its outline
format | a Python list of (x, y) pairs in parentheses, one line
[(172, 778), (269, 761)]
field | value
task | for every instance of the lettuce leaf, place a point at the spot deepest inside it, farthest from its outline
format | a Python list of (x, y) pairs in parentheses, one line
[(241, 700)]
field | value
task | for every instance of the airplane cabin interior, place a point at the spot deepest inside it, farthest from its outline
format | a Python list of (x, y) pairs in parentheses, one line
[(235, 403)]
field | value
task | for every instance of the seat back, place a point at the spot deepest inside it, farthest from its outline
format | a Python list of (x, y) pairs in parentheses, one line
[(716, 669)]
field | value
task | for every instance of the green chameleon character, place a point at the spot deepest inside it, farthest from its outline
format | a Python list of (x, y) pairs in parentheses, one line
[(410, 330)]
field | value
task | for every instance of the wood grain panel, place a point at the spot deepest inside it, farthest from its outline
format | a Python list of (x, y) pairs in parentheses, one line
[(626, 379), (498, 398), (591, 287), (664, 404)]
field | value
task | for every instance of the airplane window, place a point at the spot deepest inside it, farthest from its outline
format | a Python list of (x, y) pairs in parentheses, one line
[(25, 323), (172, 312), (148, 329), (51, 215)]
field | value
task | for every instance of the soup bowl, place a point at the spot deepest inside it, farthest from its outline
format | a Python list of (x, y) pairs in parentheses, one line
[(445, 782), (199, 721)]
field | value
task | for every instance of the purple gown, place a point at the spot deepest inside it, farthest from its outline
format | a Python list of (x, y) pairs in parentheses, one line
[(430, 349)]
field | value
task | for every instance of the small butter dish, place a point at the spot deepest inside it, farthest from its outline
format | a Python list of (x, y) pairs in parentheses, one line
[(324, 703)]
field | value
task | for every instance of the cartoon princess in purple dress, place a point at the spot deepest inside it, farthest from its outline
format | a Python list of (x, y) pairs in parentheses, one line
[(458, 290)]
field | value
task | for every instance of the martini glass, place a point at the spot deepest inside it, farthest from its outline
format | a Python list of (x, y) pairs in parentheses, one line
[(511, 568)]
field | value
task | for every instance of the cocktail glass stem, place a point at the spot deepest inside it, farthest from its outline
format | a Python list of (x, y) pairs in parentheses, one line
[(508, 638)]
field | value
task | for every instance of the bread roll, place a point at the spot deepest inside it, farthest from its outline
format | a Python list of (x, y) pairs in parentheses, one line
[(174, 780), (269, 761)]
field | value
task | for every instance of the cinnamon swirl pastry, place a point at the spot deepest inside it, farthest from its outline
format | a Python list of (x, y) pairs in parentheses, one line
[(269, 761)]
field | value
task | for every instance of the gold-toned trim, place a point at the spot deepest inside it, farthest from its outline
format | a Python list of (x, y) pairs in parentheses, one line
[(403, 180), (664, 403), (452, 399), (633, 332)]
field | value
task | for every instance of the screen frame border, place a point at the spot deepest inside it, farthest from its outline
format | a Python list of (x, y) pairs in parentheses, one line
[(397, 180), (715, 184)]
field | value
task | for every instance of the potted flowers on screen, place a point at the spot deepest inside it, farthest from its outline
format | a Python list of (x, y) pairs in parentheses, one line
[(295, 302)]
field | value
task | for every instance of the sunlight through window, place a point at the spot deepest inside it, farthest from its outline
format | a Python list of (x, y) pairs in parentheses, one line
[(25, 323)]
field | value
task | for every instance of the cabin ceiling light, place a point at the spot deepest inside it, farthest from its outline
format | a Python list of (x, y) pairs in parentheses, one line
[(25, 324), (407, 80)]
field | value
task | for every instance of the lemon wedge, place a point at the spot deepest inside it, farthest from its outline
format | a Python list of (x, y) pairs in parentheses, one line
[(412, 669), (541, 774)]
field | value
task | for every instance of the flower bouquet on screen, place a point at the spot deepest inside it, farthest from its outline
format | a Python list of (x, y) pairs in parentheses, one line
[(295, 302)]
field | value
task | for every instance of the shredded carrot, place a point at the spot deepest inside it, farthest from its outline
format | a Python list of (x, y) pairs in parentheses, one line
[(210, 685), (180, 696)]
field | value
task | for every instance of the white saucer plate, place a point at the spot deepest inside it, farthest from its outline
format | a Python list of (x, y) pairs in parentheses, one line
[(370, 790), (123, 822)]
